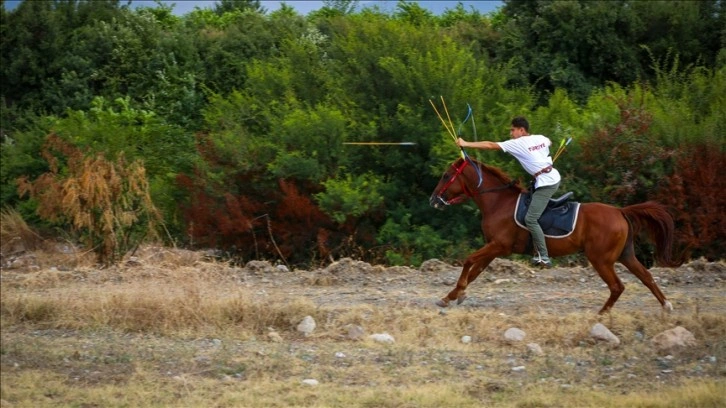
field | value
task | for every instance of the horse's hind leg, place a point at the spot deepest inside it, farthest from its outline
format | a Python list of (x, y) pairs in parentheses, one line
[(606, 270), (631, 262)]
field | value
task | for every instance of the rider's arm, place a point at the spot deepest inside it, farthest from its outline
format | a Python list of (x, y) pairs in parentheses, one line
[(479, 145)]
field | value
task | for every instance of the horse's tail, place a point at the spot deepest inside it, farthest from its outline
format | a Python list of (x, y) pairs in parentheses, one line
[(655, 219)]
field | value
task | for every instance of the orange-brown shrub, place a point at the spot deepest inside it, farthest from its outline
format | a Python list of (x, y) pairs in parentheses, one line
[(106, 202)]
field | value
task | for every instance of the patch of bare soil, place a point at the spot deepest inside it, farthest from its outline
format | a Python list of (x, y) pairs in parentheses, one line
[(505, 291), (505, 285)]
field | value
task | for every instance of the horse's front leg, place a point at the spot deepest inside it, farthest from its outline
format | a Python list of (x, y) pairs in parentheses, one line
[(473, 266)]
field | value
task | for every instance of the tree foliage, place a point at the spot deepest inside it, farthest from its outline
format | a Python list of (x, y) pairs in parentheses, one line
[(240, 115), (580, 45)]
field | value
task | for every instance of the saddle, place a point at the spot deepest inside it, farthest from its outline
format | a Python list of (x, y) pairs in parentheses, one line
[(559, 218)]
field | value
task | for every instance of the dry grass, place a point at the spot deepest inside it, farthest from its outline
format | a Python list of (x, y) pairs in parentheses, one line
[(22, 247), (180, 331), (15, 234)]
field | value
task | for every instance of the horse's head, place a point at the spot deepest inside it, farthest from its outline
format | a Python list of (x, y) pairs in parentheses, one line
[(452, 188)]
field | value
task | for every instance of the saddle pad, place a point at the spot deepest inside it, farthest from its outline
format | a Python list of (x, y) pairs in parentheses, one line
[(556, 222)]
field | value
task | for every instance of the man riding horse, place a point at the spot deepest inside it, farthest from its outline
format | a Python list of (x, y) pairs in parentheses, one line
[(533, 154)]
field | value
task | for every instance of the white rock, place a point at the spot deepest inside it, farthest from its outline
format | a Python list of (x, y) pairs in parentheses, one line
[(677, 337), (282, 268), (307, 325), (382, 338), (466, 339), (310, 381), (602, 333), (518, 369), (535, 349), (274, 336), (514, 334), (339, 354), (355, 332)]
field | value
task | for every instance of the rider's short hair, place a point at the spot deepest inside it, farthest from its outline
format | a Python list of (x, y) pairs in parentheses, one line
[(520, 122)]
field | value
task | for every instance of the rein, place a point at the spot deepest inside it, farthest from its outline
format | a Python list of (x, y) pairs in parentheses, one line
[(467, 191), (497, 188), (448, 184)]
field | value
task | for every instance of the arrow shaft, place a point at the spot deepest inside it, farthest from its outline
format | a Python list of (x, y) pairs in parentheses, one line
[(380, 143)]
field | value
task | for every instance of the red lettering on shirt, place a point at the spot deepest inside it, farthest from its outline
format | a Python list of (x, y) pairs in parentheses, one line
[(533, 148)]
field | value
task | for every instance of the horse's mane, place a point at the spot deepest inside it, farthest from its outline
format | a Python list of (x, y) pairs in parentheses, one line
[(499, 174)]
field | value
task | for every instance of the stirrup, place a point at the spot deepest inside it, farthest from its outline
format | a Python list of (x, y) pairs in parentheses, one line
[(541, 261)]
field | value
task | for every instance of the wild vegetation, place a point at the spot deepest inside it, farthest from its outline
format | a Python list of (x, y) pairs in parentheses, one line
[(232, 120), (219, 135)]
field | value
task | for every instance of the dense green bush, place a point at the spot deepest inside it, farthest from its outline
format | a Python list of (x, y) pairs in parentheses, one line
[(239, 116)]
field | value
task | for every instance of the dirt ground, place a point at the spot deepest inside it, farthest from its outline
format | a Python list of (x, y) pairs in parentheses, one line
[(506, 288), (508, 285), (505, 285)]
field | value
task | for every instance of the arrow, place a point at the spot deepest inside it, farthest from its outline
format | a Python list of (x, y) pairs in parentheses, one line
[(563, 146), (381, 143)]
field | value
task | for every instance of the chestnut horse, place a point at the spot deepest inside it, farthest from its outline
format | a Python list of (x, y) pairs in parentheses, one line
[(603, 232)]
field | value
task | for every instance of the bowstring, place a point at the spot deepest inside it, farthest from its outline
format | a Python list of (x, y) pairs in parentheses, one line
[(466, 156)]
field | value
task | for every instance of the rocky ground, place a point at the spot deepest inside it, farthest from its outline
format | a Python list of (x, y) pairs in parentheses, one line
[(506, 293), (505, 285)]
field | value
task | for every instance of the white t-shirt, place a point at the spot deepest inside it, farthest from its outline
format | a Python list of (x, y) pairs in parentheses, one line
[(533, 153)]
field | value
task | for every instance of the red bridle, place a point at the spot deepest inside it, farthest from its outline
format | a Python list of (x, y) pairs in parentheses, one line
[(464, 187)]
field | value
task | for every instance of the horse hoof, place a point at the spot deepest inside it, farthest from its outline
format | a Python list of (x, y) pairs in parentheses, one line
[(461, 299), (442, 302), (667, 306)]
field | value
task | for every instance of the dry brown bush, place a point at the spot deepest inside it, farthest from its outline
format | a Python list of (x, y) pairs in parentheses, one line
[(106, 201), (15, 234)]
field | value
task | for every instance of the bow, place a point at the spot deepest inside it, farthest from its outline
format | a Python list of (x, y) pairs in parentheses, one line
[(450, 129)]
